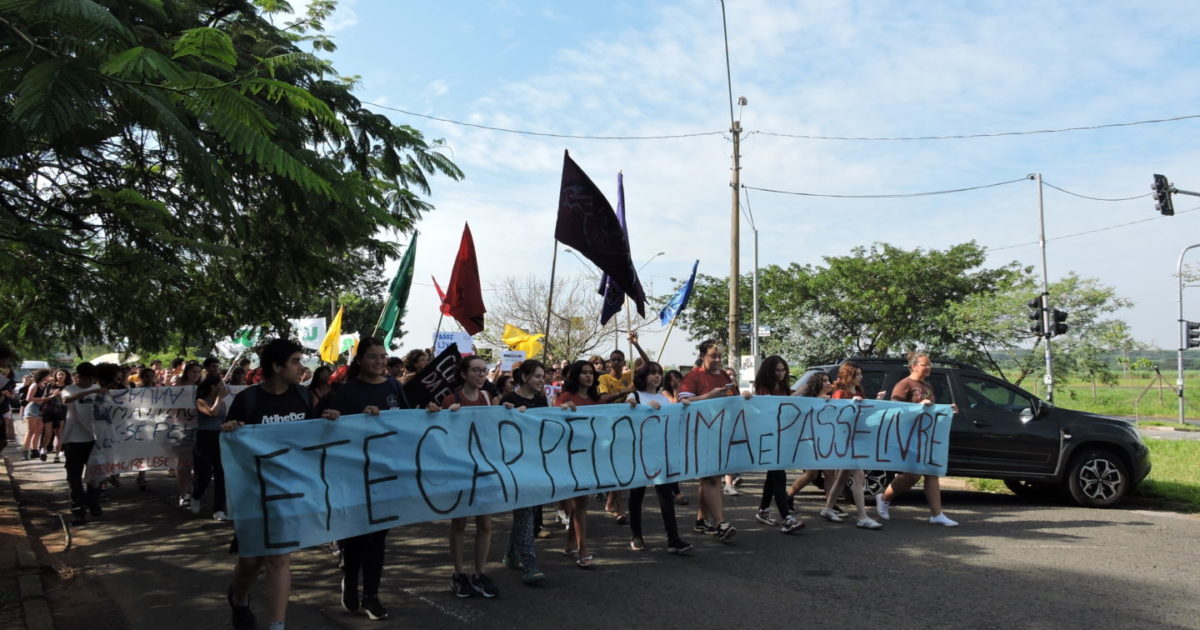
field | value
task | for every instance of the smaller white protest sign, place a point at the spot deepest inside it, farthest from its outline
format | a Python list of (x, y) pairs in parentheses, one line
[(445, 339), (509, 357)]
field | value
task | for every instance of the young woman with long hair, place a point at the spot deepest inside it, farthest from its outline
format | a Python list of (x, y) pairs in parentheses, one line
[(579, 390), (647, 383), (530, 380), (774, 379), (54, 413), (184, 442), (915, 388), (818, 385), (848, 386), (368, 389), (35, 396)]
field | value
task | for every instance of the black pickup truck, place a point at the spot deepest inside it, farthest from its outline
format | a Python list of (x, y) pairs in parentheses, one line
[(1003, 432)]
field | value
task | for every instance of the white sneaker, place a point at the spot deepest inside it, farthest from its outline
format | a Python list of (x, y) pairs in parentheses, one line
[(869, 523), (943, 520), (881, 506), (196, 507), (562, 518), (730, 491), (185, 500), (830, 515), (220, 515)]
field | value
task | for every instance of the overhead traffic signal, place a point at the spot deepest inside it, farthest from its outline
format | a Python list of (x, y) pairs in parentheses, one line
[(1191, 334), (1037, 316), (1058, 325), (1162, 196)]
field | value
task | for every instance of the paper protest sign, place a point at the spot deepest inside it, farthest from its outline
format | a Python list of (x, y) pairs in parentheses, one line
[(443, 340), (509, 357)]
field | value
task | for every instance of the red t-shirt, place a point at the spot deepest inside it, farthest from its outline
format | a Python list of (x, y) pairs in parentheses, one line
[(463, 401), (845, 395), (580, 400), (700, 381)]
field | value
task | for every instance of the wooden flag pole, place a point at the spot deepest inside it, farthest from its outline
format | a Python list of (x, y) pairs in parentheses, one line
[(379, 323), (550, 305), (667, 336)]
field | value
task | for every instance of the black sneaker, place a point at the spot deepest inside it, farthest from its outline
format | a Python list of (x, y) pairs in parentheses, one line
[(679, 546), (484, 585), (461, 585), (80, 516), (725, 531), (702, 527), (349, 597), (375, 610), (243, 617)]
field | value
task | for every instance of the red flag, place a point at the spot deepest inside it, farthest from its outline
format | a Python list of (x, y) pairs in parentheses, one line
[(464, 298), (441, 297)]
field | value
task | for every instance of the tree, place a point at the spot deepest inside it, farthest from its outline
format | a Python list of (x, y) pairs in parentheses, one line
[(183, 166), (575, 329), (875, 301)]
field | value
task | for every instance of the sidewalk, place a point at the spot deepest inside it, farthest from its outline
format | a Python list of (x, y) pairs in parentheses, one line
[(22, 596)]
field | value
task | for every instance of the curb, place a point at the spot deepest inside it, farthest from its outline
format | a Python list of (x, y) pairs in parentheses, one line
[(28, 570)]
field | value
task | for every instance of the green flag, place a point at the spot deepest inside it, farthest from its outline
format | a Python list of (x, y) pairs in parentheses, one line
[(393, 312)]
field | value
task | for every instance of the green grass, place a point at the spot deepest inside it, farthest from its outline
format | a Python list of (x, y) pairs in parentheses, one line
[(1174, 481), (1175, 476), (1119, 401)]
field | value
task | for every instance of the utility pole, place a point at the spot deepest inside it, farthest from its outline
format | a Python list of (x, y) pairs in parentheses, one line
[(1046, 310), (734, 244)]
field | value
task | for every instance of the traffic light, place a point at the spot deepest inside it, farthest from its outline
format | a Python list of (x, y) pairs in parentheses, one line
[(1191, 334), (1036, 316), (1058, 325), (1162, 196)]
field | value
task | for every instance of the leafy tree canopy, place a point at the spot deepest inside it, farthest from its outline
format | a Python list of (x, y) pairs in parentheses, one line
[(185, 166)]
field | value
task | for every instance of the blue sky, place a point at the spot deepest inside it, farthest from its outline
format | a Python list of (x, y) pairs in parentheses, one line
[(814, 68)]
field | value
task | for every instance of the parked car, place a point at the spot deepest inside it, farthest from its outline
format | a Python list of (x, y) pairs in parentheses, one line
[(1003, 432)]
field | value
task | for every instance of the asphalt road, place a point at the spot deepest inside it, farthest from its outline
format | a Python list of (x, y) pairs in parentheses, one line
[(1012, 564)]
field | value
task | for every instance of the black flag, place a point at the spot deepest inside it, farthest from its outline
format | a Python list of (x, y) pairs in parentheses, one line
[(586, 221)]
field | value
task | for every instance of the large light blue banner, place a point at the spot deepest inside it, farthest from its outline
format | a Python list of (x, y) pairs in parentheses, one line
[(300, 484)]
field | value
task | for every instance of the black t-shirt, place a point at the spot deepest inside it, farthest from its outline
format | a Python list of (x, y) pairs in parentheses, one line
[(517, 400), (492, 389), (356, 395), (254, 405)]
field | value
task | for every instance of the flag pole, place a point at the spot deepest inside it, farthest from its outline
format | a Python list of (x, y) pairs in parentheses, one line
[(550, 303), (379, 323), (667, 336)]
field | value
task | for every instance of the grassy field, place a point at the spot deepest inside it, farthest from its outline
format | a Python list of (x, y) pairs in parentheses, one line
[(1174, 481)]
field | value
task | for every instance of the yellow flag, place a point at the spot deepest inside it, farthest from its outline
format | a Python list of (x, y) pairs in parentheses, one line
[(331, 346), (517, 339)]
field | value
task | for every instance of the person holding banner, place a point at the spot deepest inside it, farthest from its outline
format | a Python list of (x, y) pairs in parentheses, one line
[(184, 443), (414, 362), (615, 385), (848, 386), (579, 390), (915, 388), (472, 370), (707, 380), (78, 435), (647, 381), (530, 378), (277, 398), (368, 389), (773, 379), (817, 385)]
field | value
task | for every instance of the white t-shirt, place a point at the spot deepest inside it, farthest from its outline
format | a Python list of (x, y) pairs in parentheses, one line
[(80, 415), (646, 397)]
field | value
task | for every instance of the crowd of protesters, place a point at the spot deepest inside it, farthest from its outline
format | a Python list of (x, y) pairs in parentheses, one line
[(58, 418)]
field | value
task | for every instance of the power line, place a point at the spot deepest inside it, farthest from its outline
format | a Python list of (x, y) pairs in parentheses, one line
[(696, 134), (545, 134), (1074, 194), (1085, 232), (890, 195), (978, 135)]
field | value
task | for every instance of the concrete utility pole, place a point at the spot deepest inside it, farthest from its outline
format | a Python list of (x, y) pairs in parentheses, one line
[(734, 244), (1047, 319)]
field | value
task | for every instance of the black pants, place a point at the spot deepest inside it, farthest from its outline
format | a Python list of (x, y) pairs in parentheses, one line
[(775, 486), (77, 456), (364, 554), (206, 458), (666, 504)]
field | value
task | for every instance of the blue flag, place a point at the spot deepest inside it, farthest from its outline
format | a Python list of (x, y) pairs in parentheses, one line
[(614, 295), (679, 300)]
